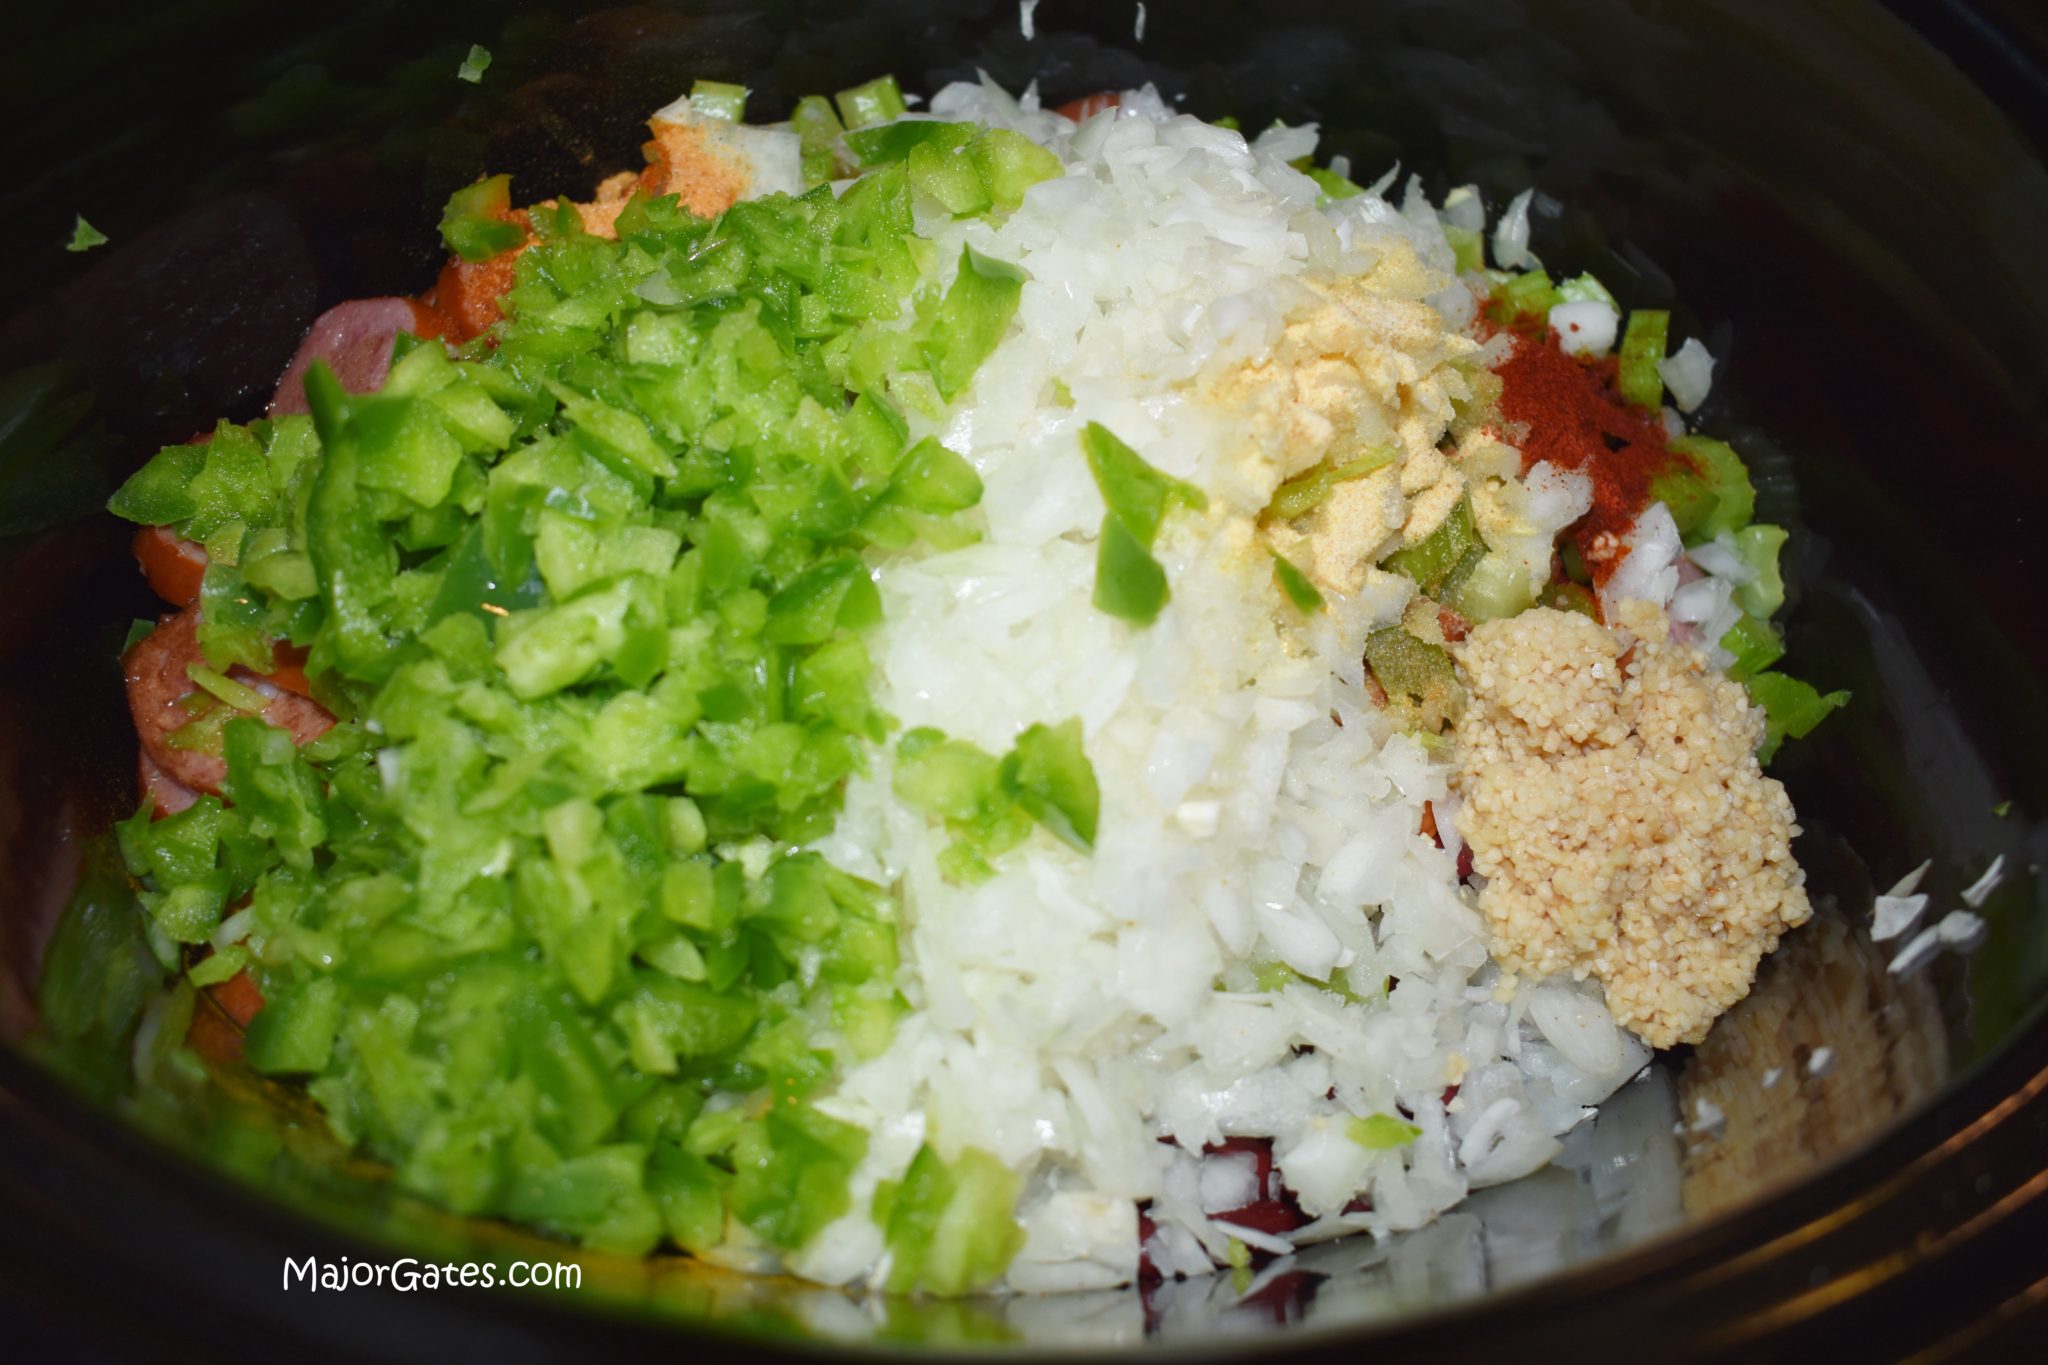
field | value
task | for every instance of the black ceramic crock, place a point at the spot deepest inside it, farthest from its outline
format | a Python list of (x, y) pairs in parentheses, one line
[(1845, 200)]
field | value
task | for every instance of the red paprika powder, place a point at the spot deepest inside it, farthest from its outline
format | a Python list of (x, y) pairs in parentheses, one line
[(1577, 419)]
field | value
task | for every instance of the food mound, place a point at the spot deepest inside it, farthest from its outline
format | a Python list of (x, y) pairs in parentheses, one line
[(966, 699), (1611, 789)]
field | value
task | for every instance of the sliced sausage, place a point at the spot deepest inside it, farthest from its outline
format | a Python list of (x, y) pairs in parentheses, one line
[(168, 793), (355, 340), (158, 683), (221, 1016), (173, 565), (212, 1034), (287, 709), (1085, 108), (239, 997)]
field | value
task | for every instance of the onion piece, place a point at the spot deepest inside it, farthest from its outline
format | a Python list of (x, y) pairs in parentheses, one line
[(1689, 373), (1511, 236), (1587, 327)]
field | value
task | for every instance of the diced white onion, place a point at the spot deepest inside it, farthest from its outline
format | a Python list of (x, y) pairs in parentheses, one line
[(1980, 890), (1587, 327), (1915, 954), (1511, 235), (1891, 916), (1647, 571), (1961, 930), (1689, 373), (1720, 558), (1464, 209), (1910, 883), (1288, 142)]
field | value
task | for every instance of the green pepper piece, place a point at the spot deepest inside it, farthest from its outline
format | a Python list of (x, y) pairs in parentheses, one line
[(876, 101), (1136, 493), (1755, 645), (931, 478), (1010, 164), (971, 320), (949, 778), (294, 1031), (275, 788), (1530, 294), (352, 558), (792, 1170), (1049, 775), (1304, 493), (1570, 596), (1381, 1132), (1295, 584), (719, 100), (1707, 494), (690, 1192), (97, 972), (834, 595), (84, 236), (952, 1228), (1417, 676), (1759, 546), (1490, 587), (1433, 559), (896, 141), (1791, 709), (1468, 249), (158, 493), (948, 174), (1642, 346), (1129, 582), (818, 130), (1585, 289), (1333, 185), (473, 224), (1574, 562)]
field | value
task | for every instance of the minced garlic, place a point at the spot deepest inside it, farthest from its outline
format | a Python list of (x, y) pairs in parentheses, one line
[(1613, 803)]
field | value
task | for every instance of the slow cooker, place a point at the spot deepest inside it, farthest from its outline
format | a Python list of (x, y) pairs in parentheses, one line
[(1851, 197)]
